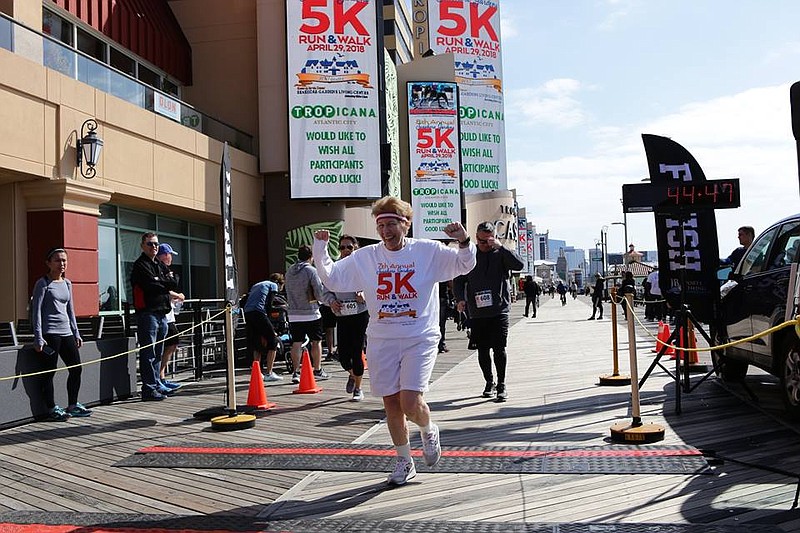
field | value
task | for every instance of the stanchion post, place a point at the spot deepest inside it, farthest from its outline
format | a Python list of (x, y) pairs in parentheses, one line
[(233, 420), (197, 342), (635, 431), (615, 378)]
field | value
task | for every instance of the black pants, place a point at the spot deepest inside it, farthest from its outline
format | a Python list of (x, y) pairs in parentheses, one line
[(597, 305), (351, 331), (528, 301), (491, 334), (67, 348)]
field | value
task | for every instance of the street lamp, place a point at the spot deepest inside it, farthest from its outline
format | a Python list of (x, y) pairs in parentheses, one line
[(604, 248), (625, 229), (88, 149)]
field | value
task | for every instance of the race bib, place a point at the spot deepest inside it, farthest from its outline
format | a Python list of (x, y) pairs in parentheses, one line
[(483, 299), (349, 307)]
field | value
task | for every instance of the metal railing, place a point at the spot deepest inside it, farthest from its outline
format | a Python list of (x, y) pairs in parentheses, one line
[(53, 54)]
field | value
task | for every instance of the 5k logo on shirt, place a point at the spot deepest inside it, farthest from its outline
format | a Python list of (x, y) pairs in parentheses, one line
[(397, 284)]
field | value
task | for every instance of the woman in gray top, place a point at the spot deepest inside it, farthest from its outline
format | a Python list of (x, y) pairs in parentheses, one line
[(55, 332)]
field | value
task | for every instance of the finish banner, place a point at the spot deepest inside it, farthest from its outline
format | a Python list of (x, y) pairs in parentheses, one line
[(688, 251), (334, 127), (470, 30), (434, 158)]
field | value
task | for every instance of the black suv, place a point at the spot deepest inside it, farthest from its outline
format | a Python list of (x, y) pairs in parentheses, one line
[(760, 300)]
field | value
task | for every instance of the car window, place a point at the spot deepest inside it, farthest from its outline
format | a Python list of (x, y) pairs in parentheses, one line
[(755, 260), (784, 252)]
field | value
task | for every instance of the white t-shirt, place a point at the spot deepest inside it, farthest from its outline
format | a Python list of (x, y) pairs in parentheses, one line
[(655, 289), (400, 288)]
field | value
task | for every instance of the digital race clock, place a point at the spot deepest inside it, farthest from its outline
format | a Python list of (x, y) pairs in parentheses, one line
[(680, 196)]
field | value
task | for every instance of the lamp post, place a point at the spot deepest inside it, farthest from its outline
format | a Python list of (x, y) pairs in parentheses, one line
[(604, 248), (624, 225)]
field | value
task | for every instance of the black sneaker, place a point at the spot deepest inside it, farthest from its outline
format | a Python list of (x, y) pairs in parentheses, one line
[(488, 391), (502, 394), (57, 414)]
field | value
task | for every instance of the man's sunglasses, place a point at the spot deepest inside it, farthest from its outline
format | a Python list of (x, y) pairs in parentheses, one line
[(346, 247)]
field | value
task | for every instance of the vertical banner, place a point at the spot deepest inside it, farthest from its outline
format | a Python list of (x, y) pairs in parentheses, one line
[(434, 158), (688, 251), (470, 30), (531, 256), (231, 289), (334, 125), (522, 249)]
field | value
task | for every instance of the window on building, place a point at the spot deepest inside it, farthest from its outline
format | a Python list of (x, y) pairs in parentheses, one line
[(58, 55), (57, 27), (91, 46), (149, 77), (120, 233), (5, 33)]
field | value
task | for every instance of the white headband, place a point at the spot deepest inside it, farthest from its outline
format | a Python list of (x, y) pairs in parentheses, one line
[(390, 215)]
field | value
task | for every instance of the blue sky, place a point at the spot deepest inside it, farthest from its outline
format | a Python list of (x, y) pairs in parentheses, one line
[(583, 79)]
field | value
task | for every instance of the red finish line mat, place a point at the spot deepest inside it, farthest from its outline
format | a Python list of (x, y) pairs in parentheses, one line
[(65, 522), (466, 459)]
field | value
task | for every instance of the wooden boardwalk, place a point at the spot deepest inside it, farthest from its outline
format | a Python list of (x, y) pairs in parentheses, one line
[(554, 363)]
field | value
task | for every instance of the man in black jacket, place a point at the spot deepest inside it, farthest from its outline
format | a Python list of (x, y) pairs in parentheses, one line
[(485, 290), (152, 284)]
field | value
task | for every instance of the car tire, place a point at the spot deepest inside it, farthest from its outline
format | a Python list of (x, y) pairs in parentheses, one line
[(789, 366), (729, 369)]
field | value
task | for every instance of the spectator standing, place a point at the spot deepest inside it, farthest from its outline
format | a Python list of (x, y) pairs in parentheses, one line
[(445, 307), (55, 333), (400, 277), (628, 286), (597, 295), (532, 291), (351, 324), (657, 305), (165, 255), (745, 234), (304, 293), (152, 283), (260, 331), (485, 291)]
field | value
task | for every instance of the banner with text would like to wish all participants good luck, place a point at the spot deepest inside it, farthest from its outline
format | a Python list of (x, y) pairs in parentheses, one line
[(434, 157), (470, 30), (334, 126)]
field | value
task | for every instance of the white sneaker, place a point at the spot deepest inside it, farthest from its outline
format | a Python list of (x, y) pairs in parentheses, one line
[(272, 376), (431, 448), (358, 395), (404, 470)]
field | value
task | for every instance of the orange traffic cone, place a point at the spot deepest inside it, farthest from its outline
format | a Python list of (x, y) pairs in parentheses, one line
[(665, 339), (364, 360), (693, 356), (257, 395), (659, 336), (308, 385)]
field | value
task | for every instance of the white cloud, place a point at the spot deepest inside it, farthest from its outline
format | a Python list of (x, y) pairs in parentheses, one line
[(619, 10), (508, 27), (780, 53), (552, 103), (746, 135)]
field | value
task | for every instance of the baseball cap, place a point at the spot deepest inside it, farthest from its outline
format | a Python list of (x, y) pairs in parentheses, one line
[(164, 249)]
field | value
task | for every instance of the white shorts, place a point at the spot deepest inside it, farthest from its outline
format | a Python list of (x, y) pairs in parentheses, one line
[(400, 364)]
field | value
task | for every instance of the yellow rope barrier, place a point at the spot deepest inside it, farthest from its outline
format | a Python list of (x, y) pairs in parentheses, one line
[(795, 322), (93, 361)]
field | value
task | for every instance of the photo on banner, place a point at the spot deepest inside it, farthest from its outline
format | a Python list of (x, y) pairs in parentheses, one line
[(434, 157), (334, 119), (470, 30)]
